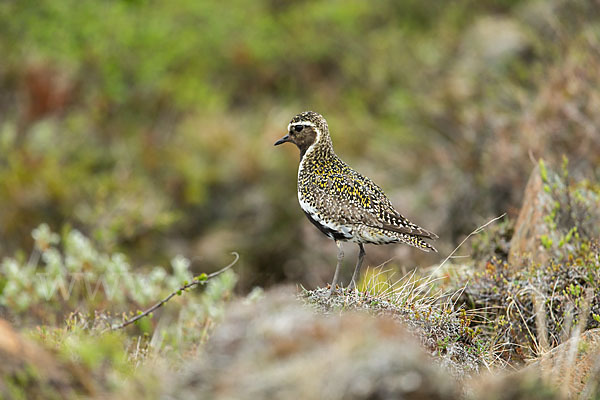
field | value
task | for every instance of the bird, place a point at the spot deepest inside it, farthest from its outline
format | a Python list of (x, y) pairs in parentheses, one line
[(343, 204)]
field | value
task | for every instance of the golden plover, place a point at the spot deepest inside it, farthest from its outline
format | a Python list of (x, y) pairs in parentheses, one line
[(343, 204)]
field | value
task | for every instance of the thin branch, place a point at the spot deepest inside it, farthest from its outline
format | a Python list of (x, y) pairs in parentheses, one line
[(198, 280), (428, 282), (475, 232)]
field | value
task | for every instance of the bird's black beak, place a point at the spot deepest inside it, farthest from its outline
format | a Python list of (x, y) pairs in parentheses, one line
[(284, 139)]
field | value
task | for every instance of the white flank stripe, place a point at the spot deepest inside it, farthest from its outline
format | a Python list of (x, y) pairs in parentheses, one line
[(312, 211)]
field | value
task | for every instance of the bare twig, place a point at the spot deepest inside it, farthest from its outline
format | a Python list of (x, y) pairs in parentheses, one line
[(198, 280), (475, 232)]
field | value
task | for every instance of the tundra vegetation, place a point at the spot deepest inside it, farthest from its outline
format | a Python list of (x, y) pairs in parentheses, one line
[(136, 162)]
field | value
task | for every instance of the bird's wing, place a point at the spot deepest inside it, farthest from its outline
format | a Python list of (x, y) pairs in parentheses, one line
[(361, 201), (345, 199)]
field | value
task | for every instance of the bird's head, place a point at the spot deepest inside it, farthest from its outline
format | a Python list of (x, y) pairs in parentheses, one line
[(305, 129)]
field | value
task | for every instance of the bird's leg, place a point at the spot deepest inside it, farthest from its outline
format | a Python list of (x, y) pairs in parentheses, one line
[(356, 274), (340, 257)]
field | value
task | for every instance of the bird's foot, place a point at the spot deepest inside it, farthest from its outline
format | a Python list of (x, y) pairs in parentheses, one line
[(332, 289), (352, 287)]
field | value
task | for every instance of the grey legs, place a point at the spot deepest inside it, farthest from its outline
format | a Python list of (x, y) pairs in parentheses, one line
[(356, 274), (340, 257)]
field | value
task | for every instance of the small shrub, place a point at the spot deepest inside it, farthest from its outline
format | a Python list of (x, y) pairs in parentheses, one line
[(564, 286)]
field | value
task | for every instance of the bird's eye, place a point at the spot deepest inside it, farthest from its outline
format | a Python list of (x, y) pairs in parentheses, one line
[(298, 128)]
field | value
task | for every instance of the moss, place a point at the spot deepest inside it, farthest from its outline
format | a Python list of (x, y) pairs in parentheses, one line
[(443, 331)]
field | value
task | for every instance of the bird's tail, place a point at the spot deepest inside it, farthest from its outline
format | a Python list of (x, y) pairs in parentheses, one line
[(416, 241)]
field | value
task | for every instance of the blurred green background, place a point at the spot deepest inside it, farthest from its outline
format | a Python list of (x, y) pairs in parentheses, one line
[(149, 125)]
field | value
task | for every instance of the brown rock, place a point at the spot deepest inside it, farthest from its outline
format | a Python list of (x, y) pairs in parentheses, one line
[(530, 226), (555, 213)]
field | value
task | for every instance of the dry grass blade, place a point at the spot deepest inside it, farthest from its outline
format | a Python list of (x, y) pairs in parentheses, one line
[(475, 232)]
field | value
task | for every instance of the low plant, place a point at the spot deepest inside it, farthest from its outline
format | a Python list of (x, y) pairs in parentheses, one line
[(444, 328)]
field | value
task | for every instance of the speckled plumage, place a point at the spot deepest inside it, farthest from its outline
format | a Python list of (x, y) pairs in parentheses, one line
[(344, 204), (341, 202)]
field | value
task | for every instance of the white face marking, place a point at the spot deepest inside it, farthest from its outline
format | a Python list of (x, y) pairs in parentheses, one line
[(303, 123), (312, 146)]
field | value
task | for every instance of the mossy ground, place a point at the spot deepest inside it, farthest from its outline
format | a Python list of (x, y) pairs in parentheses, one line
[(443, 330)]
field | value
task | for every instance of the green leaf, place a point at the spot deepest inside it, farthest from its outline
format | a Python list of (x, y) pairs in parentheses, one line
[(202, 277), (543, 171), (546, 241)]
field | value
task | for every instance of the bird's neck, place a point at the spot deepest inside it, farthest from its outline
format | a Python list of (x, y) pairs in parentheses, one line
[(321, 148), (318, 156)]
